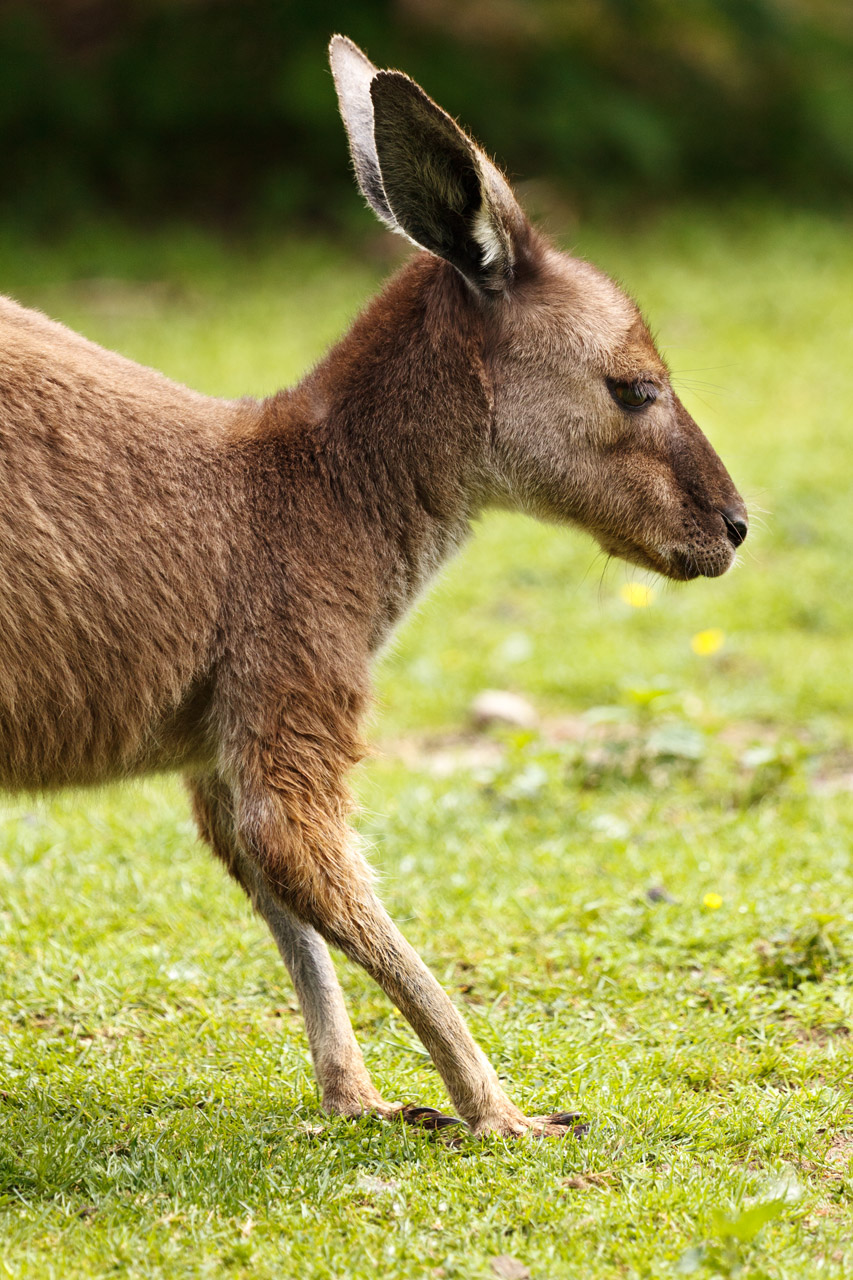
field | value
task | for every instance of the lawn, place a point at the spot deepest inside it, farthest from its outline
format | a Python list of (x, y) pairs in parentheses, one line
[(643, 903)]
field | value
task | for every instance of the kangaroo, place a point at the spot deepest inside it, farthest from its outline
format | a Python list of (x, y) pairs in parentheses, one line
[(194, 584)]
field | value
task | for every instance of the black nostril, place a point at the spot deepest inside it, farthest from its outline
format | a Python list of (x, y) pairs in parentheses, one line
[(737, 526)]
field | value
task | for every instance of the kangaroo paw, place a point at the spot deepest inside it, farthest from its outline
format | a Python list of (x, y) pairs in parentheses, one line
[(428, 1118), (561, 1124)]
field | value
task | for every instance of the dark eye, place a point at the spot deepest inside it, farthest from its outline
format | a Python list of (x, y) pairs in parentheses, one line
[(632, 395)]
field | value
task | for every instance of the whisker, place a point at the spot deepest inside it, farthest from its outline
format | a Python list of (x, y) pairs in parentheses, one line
[(604, 568), (702, 400), (596, 555), (694, 383)]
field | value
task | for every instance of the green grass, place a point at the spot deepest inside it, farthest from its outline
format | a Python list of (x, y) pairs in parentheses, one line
[(643, 906)]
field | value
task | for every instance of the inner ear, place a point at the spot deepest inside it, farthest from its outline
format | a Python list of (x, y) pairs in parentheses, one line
[(443, 192), (353, 71)]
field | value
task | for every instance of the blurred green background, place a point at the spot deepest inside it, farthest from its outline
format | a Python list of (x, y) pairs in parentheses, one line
[(221, 110), (642, 902)]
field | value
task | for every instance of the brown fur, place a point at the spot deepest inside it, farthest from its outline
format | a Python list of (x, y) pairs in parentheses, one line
[(193, 584)]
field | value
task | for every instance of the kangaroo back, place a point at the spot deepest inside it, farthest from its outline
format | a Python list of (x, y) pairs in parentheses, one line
[(117, 491)]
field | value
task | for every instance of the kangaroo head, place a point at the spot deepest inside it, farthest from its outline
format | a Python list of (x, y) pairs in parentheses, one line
[(586, 427)]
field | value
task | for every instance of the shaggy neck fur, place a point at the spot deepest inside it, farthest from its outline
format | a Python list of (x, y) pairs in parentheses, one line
[(392, 428)]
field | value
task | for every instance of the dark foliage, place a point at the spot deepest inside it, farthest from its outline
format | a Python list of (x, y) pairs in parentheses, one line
[(225, 109)]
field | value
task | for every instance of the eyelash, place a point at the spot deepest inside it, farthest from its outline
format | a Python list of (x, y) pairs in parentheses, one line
[(647, 390)]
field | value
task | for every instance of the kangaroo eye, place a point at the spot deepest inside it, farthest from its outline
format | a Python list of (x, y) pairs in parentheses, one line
[(632, 395)]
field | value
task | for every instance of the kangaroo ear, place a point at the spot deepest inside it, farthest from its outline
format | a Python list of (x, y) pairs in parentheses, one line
[(442, 191), (353, 72)]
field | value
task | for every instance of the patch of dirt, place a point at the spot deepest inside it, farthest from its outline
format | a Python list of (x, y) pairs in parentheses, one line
[(818, 1035), (835, 1164), (43, 1020), (590, 1181), (509, 1268), (840, 1152), (443, 755), (834, 773)]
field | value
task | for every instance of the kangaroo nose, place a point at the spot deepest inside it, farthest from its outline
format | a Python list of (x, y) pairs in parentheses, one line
[(737, 525)]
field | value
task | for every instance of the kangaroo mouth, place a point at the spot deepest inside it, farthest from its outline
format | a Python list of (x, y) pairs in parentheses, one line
[(679, 563), (711, 561)]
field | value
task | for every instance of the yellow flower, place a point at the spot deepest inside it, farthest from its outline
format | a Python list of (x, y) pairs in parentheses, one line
[(707, 642), (712, 901), (636, 595)]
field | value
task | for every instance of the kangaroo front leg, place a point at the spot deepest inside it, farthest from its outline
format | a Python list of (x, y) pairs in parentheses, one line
[(312, 868)]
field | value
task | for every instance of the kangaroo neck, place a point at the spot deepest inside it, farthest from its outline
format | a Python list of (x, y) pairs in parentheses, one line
[(405, 418)]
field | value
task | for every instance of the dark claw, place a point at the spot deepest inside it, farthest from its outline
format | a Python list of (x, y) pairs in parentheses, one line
[(570, 1120), (427, 1118), (564, 1117)]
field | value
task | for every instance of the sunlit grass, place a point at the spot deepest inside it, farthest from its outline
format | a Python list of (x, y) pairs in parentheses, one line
[(643, 905)]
